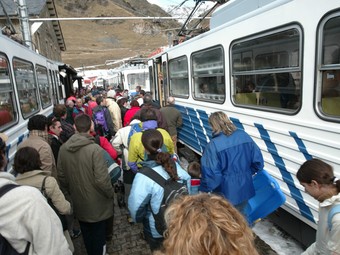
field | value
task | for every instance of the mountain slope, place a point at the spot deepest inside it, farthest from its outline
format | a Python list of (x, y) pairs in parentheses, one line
[(93, 42)]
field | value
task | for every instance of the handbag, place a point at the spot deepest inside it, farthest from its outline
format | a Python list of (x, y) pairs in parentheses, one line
[(49, 201)]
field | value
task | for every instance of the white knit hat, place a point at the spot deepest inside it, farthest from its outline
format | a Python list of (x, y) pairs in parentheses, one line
[(111, 93)]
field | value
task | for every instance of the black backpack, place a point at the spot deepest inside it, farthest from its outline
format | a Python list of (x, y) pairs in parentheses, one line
[(172, 190), (5, 246)]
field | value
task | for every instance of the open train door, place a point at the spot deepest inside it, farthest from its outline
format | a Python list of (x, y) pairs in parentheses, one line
[(158, 70), (164, 88)]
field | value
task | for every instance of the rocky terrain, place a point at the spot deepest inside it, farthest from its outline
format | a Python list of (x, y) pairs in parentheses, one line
[(92, 42)]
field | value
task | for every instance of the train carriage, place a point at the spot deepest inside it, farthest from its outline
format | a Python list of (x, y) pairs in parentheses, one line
[(274, 67), (29, 84)]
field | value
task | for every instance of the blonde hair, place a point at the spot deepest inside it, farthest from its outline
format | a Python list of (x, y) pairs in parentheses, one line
[(220, 122), (206, 224)]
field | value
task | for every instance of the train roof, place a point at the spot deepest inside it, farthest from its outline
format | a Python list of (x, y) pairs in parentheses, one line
[(237, 8)]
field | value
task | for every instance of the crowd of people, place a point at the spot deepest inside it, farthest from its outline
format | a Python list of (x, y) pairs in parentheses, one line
[(63, 162)]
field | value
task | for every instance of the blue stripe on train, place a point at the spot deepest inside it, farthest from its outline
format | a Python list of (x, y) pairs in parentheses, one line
[(191, 123), (286, 176), (301, 145)]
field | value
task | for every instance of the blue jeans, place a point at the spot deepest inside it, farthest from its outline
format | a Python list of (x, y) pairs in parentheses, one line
[(94, 234)]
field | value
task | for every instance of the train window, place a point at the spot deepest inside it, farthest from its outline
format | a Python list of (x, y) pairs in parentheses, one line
[(27, 87), (266, 71), (44, 87), (330, 67), (135, 79), (7, 107), (178, 72), (208, 75)]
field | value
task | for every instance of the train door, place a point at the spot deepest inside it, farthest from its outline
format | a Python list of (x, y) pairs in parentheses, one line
[(164, 90)]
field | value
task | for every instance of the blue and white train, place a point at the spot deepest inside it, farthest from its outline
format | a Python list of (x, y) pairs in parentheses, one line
[(274, 67), (29, 84)]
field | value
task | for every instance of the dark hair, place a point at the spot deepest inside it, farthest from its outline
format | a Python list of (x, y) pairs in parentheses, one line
[(37, 122), (152, 141), (59, 111), (194, 169), (142, 92), (147, 99), (51, 122), (134, 103), (2, 152), (82, 123), (99, 99), (147, 114), (122, 101), (26, 159), (317, 170)]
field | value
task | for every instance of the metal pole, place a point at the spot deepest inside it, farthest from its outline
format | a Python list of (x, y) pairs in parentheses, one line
[(24, 21)]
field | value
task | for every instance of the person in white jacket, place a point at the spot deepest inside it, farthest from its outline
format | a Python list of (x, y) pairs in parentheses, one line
[(317, 177), (26, 218)]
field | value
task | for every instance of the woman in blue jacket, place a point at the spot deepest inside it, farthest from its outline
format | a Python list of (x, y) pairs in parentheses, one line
[(146, 194), (229, 161)]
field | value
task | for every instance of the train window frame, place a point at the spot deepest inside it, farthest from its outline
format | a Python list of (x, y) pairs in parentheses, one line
[(8, 103), (203, 75), (178, 73), (26, 114), (326, 104), (43, 104), (246, 91)]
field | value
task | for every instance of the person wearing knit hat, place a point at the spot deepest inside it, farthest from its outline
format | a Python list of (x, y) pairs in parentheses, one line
[(114, 110)]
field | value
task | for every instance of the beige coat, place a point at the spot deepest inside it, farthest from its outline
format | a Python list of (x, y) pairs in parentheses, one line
[(115, 113), (35, 178), (45, 153)]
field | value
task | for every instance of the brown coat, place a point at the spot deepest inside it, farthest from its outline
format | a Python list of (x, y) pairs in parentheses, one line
[(35, 178), (45, 153)]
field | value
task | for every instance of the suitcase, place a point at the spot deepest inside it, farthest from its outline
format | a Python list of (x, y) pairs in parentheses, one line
[(268, 197)]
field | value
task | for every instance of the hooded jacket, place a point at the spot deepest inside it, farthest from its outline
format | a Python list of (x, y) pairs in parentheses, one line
[(136, 148), (327, 241), (147, 195), (83, 175), (228, 164)]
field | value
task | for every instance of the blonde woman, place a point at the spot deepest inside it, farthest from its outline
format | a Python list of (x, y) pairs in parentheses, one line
[(229, 161), (206, 224)]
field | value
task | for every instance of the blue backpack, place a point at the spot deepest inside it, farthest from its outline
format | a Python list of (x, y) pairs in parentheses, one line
[(5, 247), (335, 209), (100, 122), (135, 128)]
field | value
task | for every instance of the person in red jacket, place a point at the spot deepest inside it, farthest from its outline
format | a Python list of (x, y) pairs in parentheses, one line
[(131, 112)]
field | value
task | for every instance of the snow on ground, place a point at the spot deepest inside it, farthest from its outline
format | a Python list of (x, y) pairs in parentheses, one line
[(276, 239)]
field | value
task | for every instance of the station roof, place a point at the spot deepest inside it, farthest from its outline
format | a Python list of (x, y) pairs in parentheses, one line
[(34, 9)]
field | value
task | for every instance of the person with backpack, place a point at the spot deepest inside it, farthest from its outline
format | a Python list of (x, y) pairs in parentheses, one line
[(150, 191), (136, 148), (317, 177), (28, 225), (28, 166), (102, 119)]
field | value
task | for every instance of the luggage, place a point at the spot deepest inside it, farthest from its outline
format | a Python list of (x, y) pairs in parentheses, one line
[(267, 199)]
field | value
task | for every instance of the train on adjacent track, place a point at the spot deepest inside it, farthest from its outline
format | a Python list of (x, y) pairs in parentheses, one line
[(274, 67), (129, 76), (29, 84)]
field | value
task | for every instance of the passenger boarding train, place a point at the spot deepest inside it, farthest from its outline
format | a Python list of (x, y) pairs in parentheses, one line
[(274, 67), (29, 84)]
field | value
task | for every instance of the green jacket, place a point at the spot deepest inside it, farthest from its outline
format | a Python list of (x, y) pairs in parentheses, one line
[(83, 176)]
